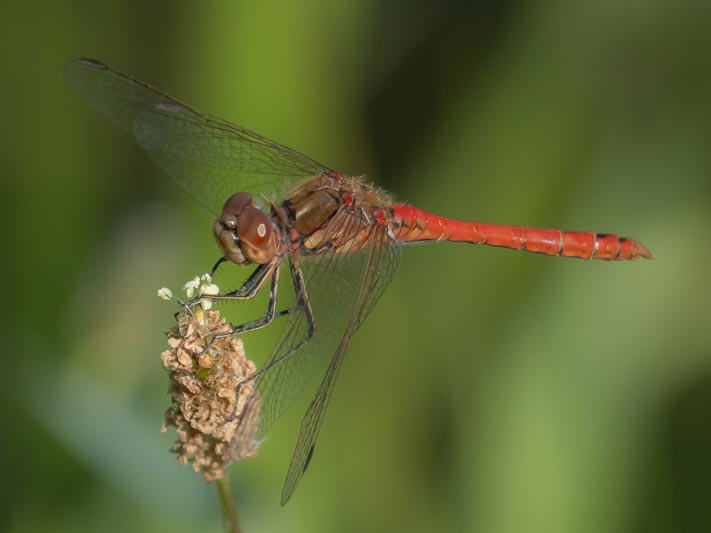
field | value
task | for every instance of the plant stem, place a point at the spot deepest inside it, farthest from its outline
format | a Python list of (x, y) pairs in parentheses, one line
[(230, 518)]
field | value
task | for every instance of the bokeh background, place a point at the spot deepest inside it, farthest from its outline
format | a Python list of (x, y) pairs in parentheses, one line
[(489, 391)]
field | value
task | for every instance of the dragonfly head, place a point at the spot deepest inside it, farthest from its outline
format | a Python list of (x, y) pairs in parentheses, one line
[(244, 232)]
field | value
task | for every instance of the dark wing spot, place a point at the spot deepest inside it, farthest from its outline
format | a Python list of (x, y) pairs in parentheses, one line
[(308, 458), (169, 107), (94, 63)]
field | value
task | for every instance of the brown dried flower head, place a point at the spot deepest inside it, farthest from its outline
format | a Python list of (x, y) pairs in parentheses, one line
[(204, 387)]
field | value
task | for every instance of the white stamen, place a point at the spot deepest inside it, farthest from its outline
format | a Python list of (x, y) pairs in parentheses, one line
[(210, 289), (191, 285), (165, 293)]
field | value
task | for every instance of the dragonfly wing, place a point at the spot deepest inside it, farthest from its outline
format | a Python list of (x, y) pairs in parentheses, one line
[(341, 290), (380, 261), (208, 157)]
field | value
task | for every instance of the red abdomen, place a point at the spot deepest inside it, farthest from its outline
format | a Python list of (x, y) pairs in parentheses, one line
[(410, 224)]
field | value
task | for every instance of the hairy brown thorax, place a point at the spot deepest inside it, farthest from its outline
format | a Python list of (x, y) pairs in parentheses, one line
[(325, 213), (334, 213)]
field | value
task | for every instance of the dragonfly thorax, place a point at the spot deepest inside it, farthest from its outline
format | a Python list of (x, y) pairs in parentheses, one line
[(245, 233)]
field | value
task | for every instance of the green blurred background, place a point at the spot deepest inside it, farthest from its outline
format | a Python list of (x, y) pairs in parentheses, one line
[(489, 391)]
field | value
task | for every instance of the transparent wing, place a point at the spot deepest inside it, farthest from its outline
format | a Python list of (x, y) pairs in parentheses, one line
[(341, 289), (208, 157), (379, 262)]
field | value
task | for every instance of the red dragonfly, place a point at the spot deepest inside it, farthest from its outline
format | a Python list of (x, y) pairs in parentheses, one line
[(340, 237)]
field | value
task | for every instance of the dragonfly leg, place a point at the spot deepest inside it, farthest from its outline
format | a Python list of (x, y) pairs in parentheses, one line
[(271, 307), (302, 301), (250, 287), (249, 293), (246, 291), (217, 265)]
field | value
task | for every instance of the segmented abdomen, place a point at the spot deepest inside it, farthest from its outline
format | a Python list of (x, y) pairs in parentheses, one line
[(410, 224)]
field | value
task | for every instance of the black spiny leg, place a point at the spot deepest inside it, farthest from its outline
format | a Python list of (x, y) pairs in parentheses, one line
[(247, 291), (302, 301), (250, 287), (267, 319), (217, 265)]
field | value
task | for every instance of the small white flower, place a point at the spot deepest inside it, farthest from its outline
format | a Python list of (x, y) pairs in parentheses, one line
[(210, 289), (191, 285), (206, 278), (165, 293)]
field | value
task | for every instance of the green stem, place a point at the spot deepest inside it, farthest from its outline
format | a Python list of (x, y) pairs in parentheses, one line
[(230, 518)]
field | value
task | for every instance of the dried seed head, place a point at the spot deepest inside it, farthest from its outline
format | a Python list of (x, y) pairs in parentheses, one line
[(204, 388)]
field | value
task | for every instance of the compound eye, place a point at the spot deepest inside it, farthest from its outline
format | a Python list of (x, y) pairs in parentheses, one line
[(237, 203), (255, 228)]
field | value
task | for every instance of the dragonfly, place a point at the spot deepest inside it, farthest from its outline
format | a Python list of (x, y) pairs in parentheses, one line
[(339, 237)]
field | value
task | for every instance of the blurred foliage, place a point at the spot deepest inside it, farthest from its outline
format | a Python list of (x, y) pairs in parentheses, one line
[(489, 391)]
